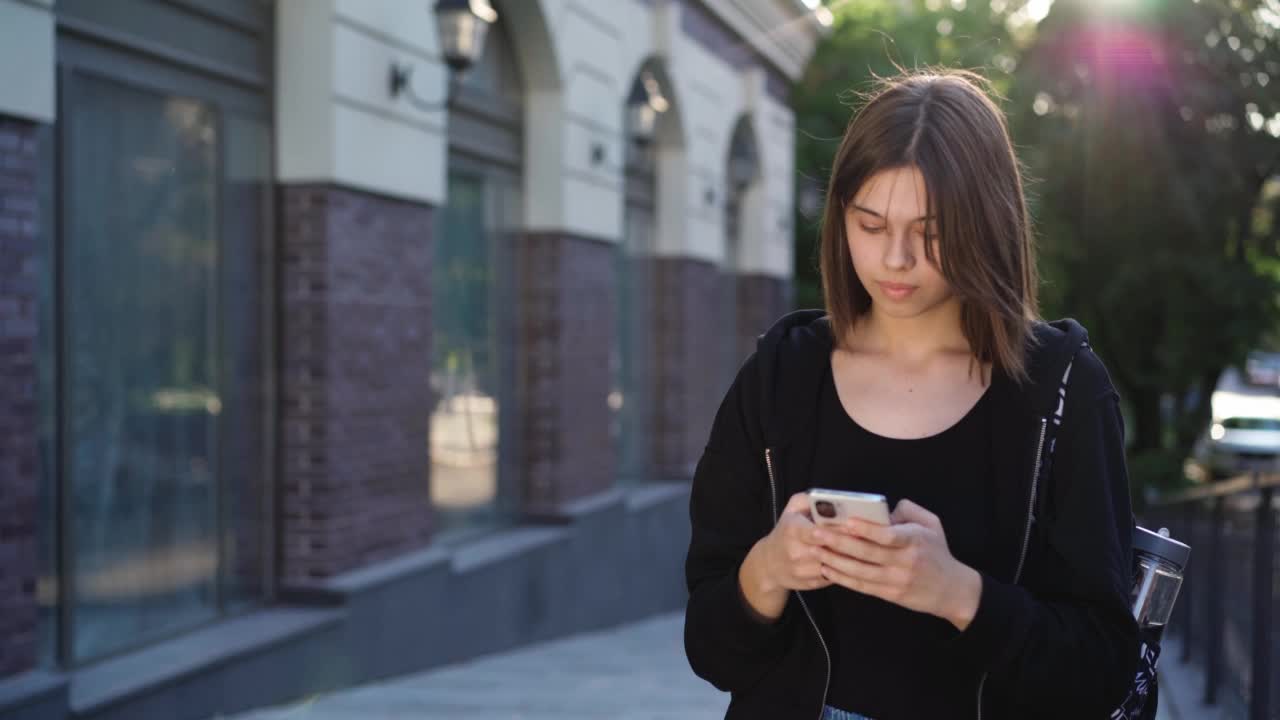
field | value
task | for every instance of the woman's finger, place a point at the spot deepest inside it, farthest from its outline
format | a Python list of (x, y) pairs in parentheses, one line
[(856, 547), (815, 584), (804, 532), (866, 587), (798, 503), (891, 536), (854, 568)]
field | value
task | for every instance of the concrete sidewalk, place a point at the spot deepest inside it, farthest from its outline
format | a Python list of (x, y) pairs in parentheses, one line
[(634, 672)]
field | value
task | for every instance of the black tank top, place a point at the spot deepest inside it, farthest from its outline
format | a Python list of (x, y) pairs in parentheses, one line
[(889, 662)]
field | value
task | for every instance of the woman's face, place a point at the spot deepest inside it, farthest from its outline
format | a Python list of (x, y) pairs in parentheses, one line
[(887, 230)]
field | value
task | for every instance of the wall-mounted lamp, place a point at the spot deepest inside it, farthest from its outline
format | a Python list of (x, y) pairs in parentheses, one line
[(463, 25), (644, 105)]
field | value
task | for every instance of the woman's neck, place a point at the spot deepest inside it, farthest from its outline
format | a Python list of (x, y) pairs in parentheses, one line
[(913, 340)]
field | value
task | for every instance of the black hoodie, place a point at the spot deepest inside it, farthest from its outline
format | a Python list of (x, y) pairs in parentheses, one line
[(1053, 636)]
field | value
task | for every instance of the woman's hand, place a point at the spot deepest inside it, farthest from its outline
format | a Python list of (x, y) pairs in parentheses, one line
[(791, 554), (786, 559), (907, 563)]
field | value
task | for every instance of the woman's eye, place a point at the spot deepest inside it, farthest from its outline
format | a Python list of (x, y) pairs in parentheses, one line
[(872, 230)]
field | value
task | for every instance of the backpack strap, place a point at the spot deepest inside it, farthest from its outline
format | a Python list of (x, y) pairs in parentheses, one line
[(1143, 697), (1055, 410)]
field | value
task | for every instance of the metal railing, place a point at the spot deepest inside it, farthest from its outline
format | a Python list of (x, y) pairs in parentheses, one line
[(1226, 610)]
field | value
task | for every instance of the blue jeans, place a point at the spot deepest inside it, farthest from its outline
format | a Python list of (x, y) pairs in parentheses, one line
[(830, 713)]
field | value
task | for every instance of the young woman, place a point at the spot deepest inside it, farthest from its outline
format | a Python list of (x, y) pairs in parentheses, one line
[(929, 380)]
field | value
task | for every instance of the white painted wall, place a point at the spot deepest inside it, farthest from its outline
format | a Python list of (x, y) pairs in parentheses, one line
[(778, 29), (27, 60), (337, 122), (712, 96), (600, 46)]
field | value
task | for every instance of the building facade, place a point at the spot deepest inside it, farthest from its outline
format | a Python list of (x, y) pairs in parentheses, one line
[(322, 363)]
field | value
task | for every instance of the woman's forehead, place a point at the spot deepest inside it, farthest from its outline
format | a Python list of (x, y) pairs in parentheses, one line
[(895, 193)]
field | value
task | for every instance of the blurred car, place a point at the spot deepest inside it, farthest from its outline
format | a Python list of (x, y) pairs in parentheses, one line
[(1262, 369), (1244, 435)]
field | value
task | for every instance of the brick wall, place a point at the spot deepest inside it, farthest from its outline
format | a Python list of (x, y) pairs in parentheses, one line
[(762, 299), (692, 367), (568, 311), (19, 459), (688, 362), (355, 358)]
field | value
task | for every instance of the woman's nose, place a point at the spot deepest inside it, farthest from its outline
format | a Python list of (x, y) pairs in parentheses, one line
[(898, 254)]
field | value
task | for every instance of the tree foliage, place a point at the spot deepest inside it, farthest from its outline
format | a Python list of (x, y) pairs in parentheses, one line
[(1153, 129)]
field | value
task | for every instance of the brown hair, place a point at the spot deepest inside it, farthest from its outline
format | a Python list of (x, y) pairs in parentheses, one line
[(944, 123)]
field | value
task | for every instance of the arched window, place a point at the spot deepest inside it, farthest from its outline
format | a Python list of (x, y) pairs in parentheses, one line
[(473, 455)]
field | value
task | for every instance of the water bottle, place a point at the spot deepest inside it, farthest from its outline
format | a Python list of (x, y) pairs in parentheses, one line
[(1158, 563)]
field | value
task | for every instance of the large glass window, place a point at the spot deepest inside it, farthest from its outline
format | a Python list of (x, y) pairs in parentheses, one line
[(629, 396), (475, 465), (163, 362), (741, 172), (472, 456), (141, 337), (246, 422), (730, 330)]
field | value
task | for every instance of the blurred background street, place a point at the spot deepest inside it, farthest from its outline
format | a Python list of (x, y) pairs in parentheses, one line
[(356, 355)]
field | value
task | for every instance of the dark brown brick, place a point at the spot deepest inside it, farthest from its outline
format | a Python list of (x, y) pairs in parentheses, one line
[(355, 354), (695, 354), (688, 365), (19, 459), (762, 299), (568, 307)]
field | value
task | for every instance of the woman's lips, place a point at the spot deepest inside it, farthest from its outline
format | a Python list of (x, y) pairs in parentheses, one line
[(897, 291)]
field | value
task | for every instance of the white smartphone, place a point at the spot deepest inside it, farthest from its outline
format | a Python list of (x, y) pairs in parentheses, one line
[(833, 507)]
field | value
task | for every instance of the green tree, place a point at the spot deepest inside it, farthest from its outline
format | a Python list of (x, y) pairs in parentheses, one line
[(1152, 128)]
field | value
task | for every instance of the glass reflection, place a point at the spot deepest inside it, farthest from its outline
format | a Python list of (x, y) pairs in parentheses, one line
[(464, 420), (141, 335), (245, 423), (630, 369)]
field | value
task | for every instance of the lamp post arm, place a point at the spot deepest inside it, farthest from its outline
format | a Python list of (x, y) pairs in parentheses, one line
[(401, 83)]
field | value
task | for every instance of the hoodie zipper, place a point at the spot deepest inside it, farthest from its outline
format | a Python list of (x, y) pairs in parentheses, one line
[(773, 500), (1026, 532), (1031, 507)]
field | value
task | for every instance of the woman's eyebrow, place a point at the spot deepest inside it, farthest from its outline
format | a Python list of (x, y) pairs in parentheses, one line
[(869, 211)]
